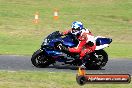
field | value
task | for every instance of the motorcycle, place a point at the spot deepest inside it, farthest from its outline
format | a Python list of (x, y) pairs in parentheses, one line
[(50, 54)]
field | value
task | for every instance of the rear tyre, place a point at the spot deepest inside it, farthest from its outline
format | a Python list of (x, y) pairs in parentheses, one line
[(98, 60), (40, 60)]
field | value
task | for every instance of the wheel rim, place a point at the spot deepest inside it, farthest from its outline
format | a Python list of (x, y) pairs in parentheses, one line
[(100, 58), (41, 60)]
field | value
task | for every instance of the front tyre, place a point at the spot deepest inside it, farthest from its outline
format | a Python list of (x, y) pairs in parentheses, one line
[(40, 60)]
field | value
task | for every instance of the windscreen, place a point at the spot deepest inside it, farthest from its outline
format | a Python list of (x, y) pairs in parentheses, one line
[(51, 36)]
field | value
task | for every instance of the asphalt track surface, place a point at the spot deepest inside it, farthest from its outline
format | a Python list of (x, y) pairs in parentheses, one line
[(23, 63)]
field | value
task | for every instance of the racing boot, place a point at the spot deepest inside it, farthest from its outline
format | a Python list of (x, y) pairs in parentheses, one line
[(85, 60)]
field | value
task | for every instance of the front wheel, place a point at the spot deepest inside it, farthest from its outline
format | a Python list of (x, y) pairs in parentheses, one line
[(40, 60)]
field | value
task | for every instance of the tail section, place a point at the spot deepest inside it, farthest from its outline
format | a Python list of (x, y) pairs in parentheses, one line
[(102, 42)]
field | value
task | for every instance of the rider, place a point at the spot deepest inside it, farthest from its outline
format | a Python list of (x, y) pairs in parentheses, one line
[(86, 40)]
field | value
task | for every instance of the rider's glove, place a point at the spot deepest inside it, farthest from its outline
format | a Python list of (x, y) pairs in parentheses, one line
[(61, 33), (62, 48)]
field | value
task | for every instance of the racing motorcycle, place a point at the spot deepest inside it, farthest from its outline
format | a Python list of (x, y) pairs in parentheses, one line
[(50, 54)]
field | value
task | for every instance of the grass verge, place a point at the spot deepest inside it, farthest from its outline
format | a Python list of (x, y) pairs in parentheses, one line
[(26, 79)]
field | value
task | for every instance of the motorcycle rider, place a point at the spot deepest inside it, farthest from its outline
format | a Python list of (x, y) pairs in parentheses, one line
[(86, 39)]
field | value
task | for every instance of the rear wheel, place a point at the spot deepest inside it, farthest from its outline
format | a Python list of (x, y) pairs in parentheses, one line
[(97, 60), (39, 59)]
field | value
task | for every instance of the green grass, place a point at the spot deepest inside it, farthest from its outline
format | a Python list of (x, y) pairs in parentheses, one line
[(120, 50), (47, 80), (110, 18)]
